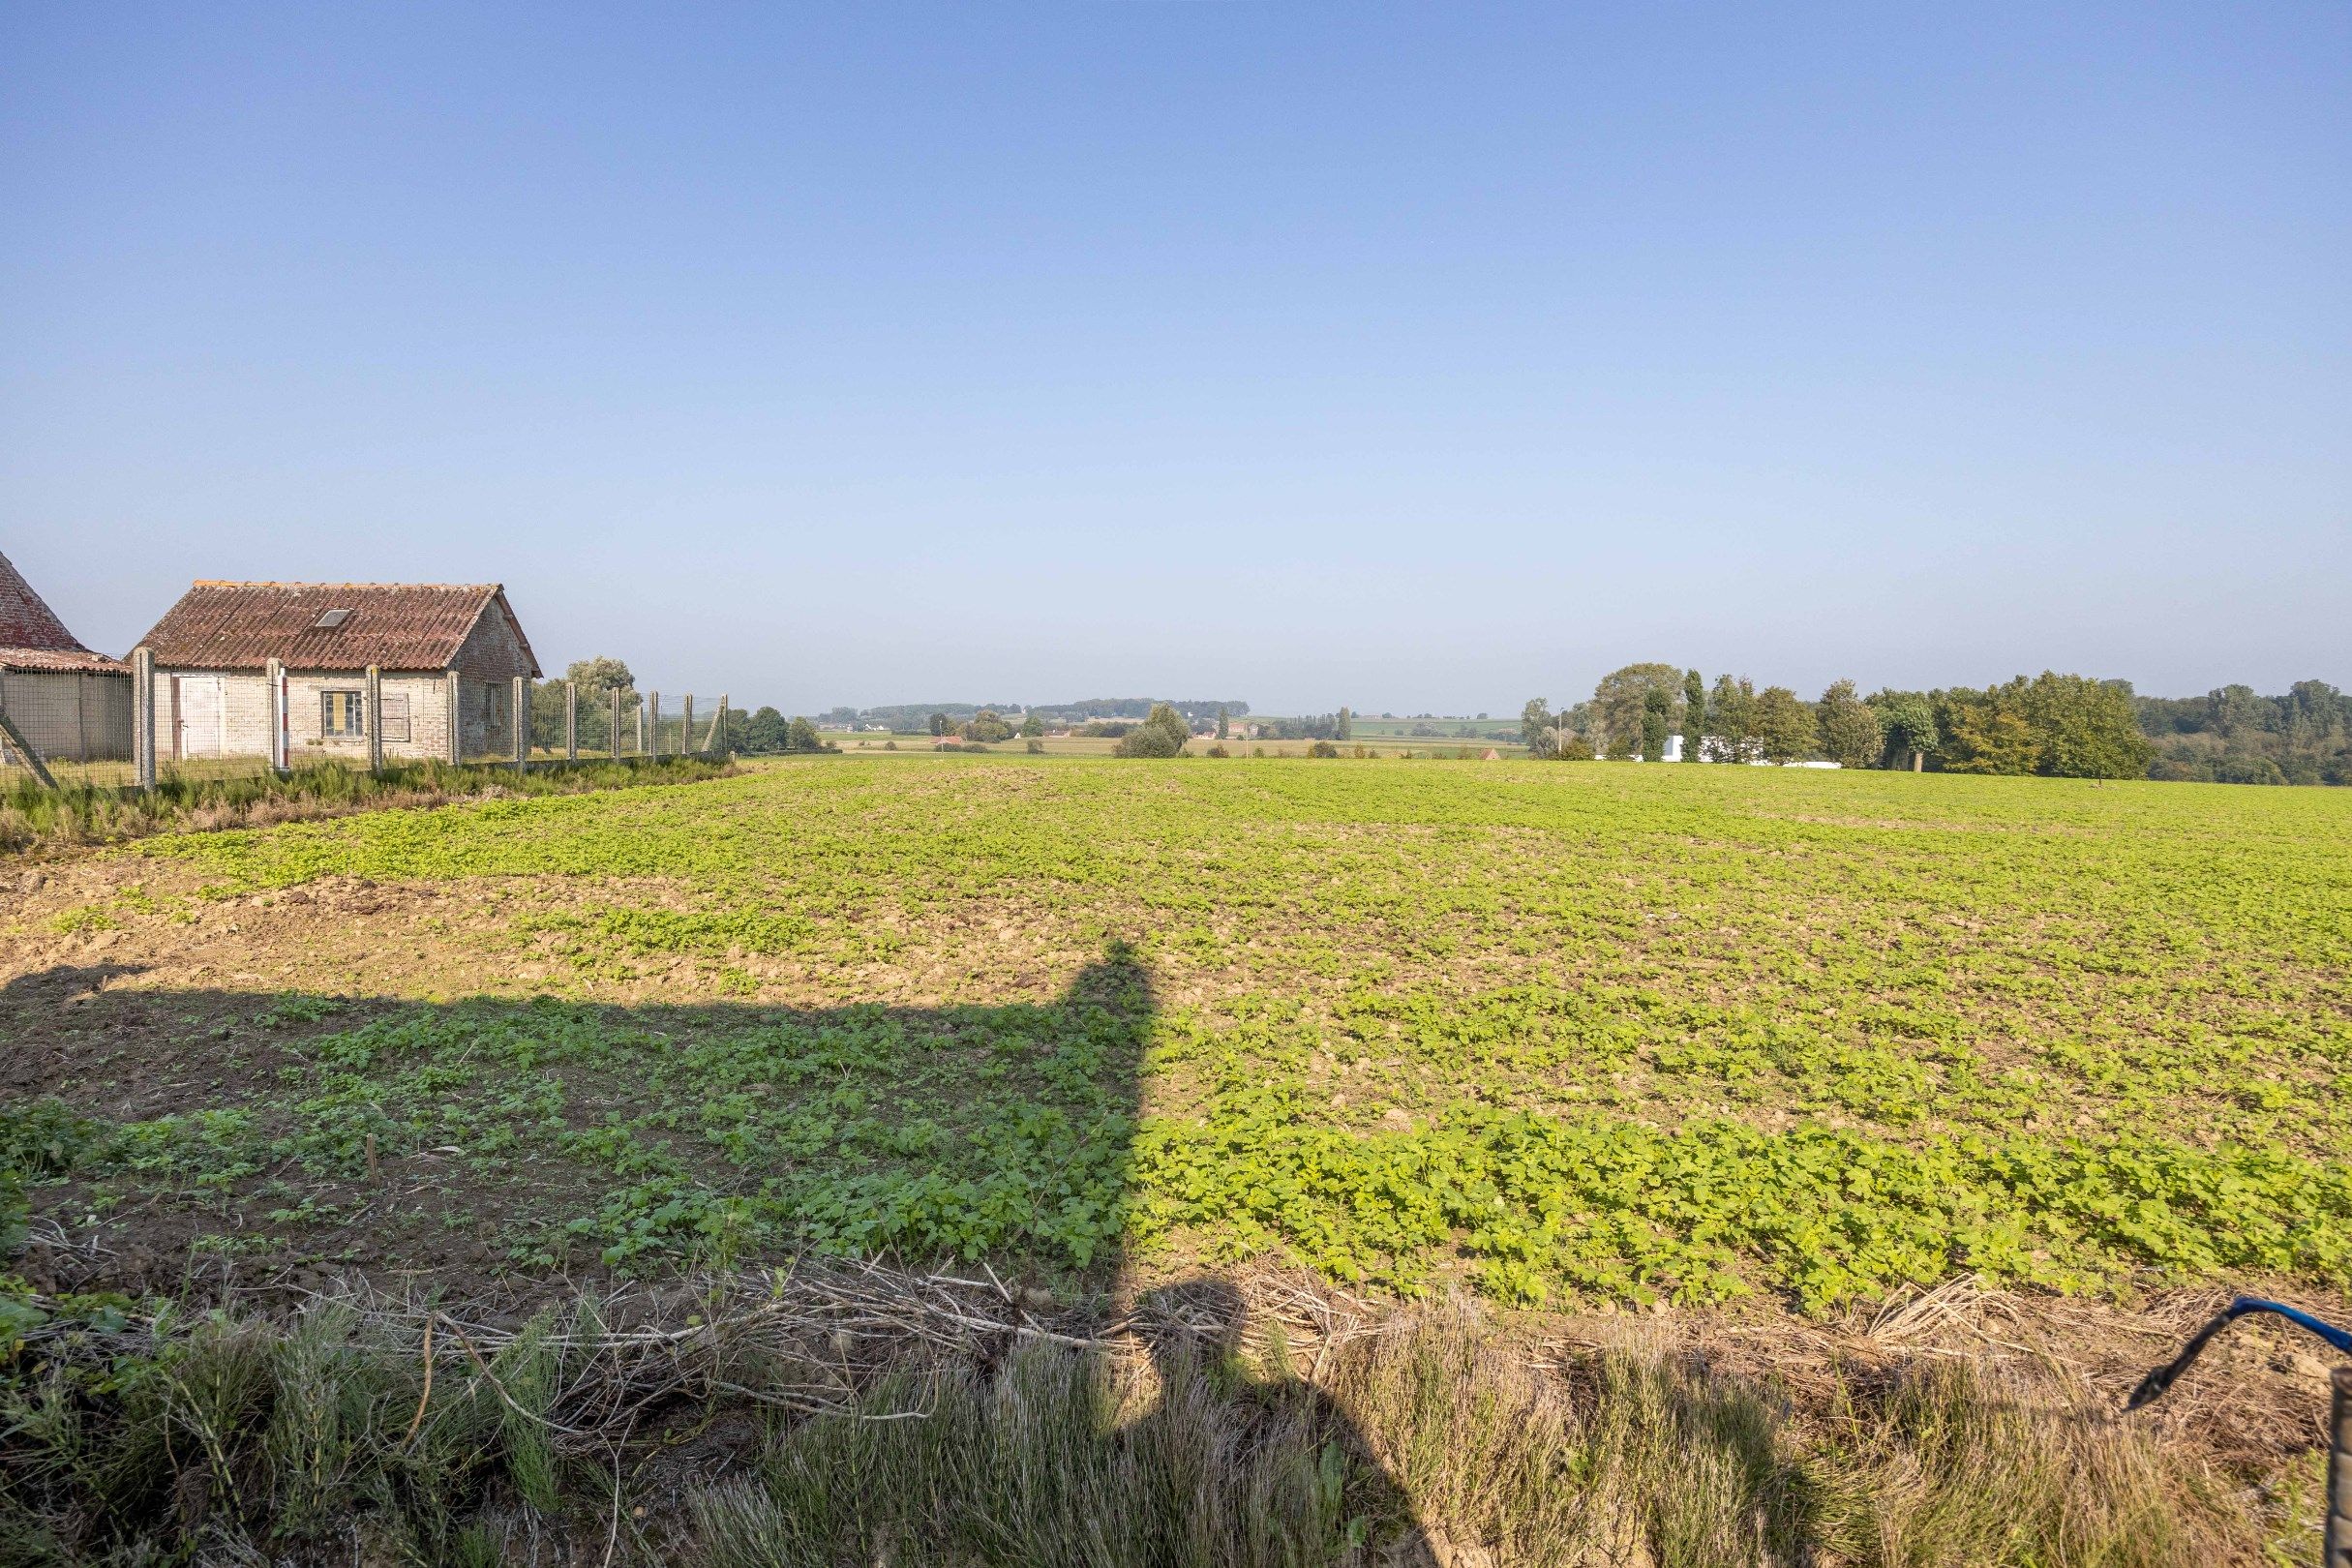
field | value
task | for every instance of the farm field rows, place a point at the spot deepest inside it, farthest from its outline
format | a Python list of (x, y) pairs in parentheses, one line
[(1591, 1032)]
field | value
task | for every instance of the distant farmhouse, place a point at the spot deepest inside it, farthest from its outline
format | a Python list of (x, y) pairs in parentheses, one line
[(64, 700), (428, 669)]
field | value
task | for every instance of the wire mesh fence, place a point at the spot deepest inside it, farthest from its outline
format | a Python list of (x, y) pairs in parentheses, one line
[(572, 721)]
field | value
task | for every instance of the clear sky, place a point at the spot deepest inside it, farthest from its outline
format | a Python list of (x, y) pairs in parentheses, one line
[(1412, 357)]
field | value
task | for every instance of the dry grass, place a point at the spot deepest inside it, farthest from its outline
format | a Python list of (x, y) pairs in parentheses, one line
[(853, 1414)]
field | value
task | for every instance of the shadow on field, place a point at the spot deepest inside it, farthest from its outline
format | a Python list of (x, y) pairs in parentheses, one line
[(504, 1153)]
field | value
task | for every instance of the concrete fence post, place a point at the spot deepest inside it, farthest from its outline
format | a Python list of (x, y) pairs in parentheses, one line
[(571, 721), (142, 715), (373, 718), (686, 728), (456, 697), (279, 718), (718, 726), (519, 723), (614, 737), (653, 716)]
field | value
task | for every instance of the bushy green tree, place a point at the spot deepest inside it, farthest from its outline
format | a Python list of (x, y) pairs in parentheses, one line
[(1786, 728), (2087, 729), (1657, 721), (595, 678), (1730, 720), (1537, 729), (1033, 726), (1224, 725), (1343, 724), (1163, 734), (987, 727), (802, 735), (1621, 700), (1850, 734), (1694, 717), (1985, 732), (940, 724), (1908, 721), (762, 731)]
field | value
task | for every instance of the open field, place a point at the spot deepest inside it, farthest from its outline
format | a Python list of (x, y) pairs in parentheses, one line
[(1624, 1031), (1753, 1049)]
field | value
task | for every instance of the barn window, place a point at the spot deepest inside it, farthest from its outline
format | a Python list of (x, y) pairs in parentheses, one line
[(340, 714), (392, 716), (331, 620)]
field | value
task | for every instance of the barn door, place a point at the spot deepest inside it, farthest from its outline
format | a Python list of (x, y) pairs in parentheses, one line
[(201, 708)]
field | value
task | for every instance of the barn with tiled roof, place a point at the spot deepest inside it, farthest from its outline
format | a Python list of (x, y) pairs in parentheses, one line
[(417, 669)]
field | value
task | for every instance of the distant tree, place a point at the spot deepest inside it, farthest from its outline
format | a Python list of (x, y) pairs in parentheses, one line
[(1322, 748), (1537, 730), (2087, 729), (1033, 725), (1034, 746), (1657, 721), (2231, 736), (1343, 726), (1225, 724), (762, 731), (939, 724), (1849, 732), (802, 735), (595, 679), (1985, 732), (1907, 720), (1785, 728), (600, 675), (1621, 700), (1163, 734), (1730, 720), (987, 725), (1694, 717)]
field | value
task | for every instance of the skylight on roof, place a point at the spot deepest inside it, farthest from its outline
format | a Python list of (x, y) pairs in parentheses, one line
[(330, 620)]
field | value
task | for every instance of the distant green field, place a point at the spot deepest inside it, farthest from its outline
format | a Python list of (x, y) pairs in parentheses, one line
[(1594, 1029)]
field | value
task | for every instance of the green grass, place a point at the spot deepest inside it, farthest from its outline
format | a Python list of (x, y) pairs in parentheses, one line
[(240, 790), (1606, 1031)]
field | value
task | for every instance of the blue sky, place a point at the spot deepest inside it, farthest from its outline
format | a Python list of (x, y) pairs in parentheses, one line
[(1404, 356)]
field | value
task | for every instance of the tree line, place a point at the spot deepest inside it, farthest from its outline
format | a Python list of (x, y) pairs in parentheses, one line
[(914, 719), (1339, 725), (2231, 735), (2065, 725)]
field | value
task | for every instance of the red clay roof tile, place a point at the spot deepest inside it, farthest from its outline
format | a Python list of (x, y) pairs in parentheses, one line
[(221, 625), (32, 637)]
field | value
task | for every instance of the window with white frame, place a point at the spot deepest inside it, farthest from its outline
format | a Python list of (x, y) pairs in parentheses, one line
[(341, 715)]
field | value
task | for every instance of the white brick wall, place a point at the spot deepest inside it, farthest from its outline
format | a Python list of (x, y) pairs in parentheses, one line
[(245, 715)]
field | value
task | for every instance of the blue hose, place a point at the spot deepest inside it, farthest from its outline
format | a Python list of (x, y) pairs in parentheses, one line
[(2152, 1386)]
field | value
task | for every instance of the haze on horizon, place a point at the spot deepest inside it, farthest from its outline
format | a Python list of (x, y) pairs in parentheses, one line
[(1408, 358)]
